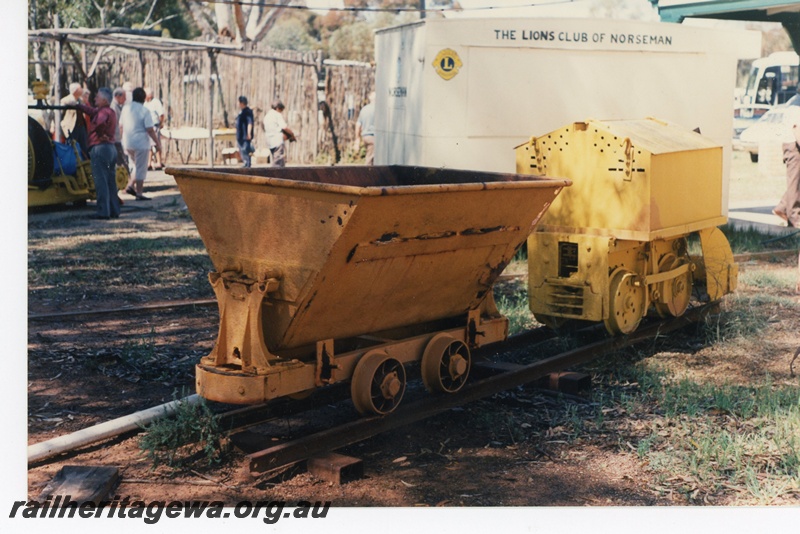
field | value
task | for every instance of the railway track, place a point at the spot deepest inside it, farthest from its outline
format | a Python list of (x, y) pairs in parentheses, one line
[(265, 456), (274, 458)]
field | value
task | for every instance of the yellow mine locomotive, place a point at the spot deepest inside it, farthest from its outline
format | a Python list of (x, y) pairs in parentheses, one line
[(615, 245)]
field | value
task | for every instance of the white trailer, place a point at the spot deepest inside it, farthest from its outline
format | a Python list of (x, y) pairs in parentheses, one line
[(462, 93)]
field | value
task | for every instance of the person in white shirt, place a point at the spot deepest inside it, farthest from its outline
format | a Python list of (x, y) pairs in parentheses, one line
[(136, 127), (788, 208), (117, 105), (365, 129), (277, 133), (156, 108)]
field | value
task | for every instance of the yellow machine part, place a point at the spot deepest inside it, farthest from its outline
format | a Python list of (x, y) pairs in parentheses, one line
[(614, 245), (721, 272), (65, 188), (637, 179), (68, 188)]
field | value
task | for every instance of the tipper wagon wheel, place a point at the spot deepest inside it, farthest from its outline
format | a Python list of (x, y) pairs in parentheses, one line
[(378, 383), (445, 364), (626, 302)]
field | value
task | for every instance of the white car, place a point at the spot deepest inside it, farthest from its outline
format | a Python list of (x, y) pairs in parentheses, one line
[(768, 128)]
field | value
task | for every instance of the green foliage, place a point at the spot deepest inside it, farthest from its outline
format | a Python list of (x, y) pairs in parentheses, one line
[(292, 34), (354, 42), (515, 308), (168, 15), (191, 435)]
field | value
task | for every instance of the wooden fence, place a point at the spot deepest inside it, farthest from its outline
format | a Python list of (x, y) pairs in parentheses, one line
[(322, 99)]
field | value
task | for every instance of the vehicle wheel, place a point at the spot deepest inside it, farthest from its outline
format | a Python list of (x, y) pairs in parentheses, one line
[(378, 383), (625, 303), (675, 293), (445, 364)]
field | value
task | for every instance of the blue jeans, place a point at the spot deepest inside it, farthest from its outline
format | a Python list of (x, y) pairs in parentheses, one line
[(104, 171), (245, 149)]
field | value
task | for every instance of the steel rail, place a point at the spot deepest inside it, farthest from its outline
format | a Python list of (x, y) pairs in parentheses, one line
[(122, 309), (286, 454)]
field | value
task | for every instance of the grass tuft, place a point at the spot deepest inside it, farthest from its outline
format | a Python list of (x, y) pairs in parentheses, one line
[(190, 436)]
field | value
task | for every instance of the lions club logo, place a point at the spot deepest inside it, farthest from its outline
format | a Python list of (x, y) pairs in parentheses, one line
[(447, 63)]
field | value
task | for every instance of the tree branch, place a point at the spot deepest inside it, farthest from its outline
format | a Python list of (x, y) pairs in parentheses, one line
[(268, 21), (149, 13), (241, 23)]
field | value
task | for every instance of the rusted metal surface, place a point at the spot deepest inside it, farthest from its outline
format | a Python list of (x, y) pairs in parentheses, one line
[(284, 454), (309, 256), (335, 468)]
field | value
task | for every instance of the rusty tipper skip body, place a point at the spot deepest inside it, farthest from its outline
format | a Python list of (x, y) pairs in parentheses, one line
[(327, 274)]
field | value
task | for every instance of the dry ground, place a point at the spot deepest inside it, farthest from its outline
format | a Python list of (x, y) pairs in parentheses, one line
[(520, 448)]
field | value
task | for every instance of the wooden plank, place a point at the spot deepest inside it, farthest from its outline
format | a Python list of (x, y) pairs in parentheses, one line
[(82, 483)]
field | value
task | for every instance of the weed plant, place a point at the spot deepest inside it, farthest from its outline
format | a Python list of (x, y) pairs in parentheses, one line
[(515, 307), (190, 436)]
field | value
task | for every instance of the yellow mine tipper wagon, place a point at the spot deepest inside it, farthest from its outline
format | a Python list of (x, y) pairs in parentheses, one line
[(326, 274), (615, 243)]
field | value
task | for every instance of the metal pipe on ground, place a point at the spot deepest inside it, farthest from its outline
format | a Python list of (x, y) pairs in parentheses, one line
[(135, 421)]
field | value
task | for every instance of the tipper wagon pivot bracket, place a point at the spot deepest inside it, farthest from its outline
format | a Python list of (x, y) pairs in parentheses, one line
[(240, 342)]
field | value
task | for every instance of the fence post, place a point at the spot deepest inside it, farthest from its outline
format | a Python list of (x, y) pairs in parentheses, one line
[(209, 88)]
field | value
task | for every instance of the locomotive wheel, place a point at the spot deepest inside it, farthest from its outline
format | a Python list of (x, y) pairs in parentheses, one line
[(445, 364), (675, 293), (378, 384), (625, 303)]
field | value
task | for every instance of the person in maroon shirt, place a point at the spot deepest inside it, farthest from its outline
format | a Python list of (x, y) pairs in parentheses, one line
[(103, 153)]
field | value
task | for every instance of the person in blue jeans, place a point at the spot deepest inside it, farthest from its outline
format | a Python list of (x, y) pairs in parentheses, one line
[(103, 153), (244, 131)]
